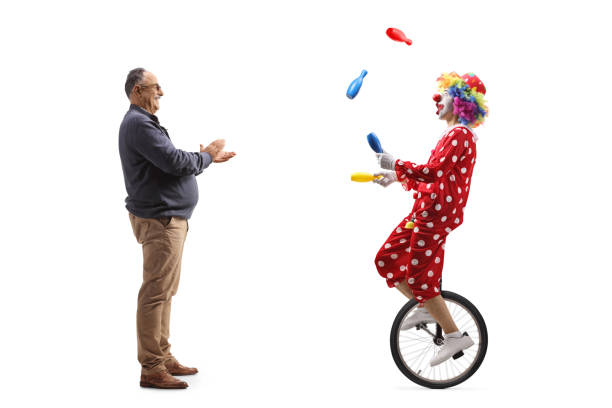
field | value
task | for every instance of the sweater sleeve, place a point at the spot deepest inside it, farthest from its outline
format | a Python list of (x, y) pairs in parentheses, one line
[(157, 148), (442, 160)]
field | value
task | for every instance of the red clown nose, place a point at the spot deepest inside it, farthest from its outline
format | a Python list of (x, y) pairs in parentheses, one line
[(437, 97)]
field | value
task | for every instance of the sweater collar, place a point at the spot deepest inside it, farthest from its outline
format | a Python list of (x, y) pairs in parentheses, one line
[(143, 111)]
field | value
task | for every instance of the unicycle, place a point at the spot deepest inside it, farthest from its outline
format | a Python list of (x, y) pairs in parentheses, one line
[(413, 349)]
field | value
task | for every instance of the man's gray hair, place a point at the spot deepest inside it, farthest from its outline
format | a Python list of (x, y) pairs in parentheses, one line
[(134, 77)]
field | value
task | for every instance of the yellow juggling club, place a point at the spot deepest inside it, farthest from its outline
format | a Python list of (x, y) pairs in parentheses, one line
[(362, 177)]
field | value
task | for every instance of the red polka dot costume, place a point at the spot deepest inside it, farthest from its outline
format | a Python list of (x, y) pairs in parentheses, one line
[(442, 188)]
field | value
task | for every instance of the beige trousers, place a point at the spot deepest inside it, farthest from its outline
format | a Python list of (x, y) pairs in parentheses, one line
[(162, 249)]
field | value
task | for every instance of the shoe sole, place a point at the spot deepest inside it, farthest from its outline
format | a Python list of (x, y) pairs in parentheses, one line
[(169, 387), (181, 374)]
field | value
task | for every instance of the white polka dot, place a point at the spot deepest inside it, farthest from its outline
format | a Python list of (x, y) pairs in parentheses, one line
[(425, 170), (454, 159), (462, 157), (437, 207), (401, 163), (389, 275), (454, 210), (436, 236), (433, 196), (467, 188), (464, 131), (424, 286), (402, 176), (464, 170), (402, 268), (416, 229), (398, 230), (454, 143), (414, 262), (393, 256), (435, 289), (441, 186), (409, 171), (466, 144), (428, 186), (459, 190), (420, 179), (447, 229), (424, 213), (407, 249), (442, 148), (443, 247), (421, 243), (430, 225), (413, 164), (439, 173), (443, 220), (422, 205), (419, 196), (472, 160), (467, 179), (380, 263), (437, 259), (402, 241), (442, 160), (456, 220), (430, 274), (470, 150), (411, 281), (460, 200), (420, 297), (397, 284), (428, 252), (452, 177), (387, 246), (449, 199)]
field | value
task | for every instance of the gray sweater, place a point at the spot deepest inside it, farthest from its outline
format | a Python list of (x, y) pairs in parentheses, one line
[(159, 178)]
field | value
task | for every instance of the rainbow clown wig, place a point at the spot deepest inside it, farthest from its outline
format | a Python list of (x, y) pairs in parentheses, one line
[(468, 93)]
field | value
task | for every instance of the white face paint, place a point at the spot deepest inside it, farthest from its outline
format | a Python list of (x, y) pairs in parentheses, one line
[(445, 106)]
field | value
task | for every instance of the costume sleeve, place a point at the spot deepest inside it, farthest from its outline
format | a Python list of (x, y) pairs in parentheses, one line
[(442, 160), (408, 184), (156, 147)]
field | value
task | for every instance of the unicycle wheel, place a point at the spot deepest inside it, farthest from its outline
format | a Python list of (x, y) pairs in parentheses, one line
[(413, 349)]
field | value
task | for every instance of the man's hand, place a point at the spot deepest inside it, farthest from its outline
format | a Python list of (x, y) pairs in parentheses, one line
[(386, 161), (224, 156), (214, 148), (388, 177)]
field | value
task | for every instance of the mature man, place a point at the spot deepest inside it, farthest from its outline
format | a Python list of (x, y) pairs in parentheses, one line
[(162, 193)]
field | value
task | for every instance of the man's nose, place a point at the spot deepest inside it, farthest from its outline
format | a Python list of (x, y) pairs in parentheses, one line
[(437, 97)]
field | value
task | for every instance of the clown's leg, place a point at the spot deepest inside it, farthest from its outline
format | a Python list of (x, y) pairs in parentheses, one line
[(437, 308), (405, 289)]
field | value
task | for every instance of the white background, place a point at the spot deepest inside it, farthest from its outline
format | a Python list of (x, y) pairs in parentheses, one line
[(279, 302)]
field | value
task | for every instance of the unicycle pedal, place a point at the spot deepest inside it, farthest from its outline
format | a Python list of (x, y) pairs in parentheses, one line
[(458, 355)]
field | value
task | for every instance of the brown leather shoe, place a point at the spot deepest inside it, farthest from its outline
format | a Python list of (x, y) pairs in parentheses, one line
[(161, 379), (175, 368)]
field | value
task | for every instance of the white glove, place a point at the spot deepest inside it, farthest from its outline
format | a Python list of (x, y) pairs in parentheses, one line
[(388, 178), (386, 161)]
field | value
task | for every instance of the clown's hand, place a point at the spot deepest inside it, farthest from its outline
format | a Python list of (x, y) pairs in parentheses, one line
[(386, 161), (388, 178)]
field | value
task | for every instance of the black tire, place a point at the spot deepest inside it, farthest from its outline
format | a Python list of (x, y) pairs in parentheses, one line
[(477, 330)]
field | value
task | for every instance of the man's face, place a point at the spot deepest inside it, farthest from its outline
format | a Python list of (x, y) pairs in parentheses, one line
[(444, 105), (148, 92)]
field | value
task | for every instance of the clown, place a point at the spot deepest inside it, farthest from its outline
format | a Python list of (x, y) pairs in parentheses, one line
[(412, 257)]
